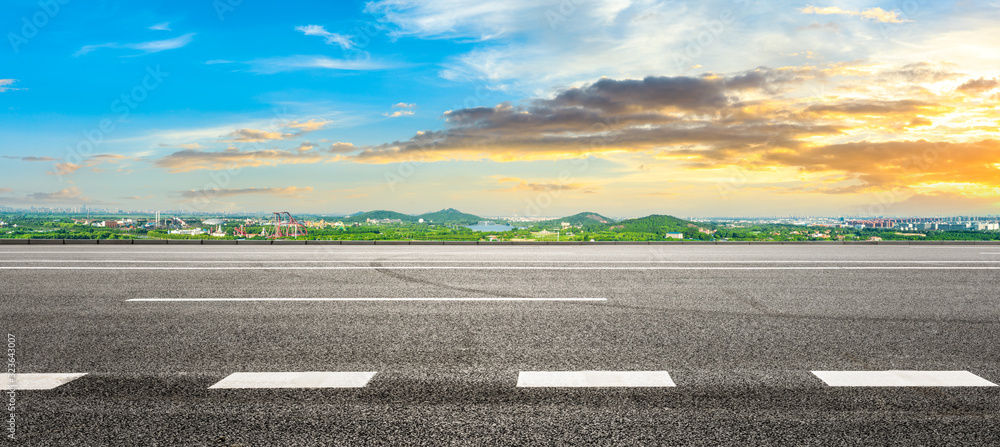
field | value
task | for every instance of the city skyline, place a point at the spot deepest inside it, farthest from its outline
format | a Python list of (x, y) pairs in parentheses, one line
[(629, 108)]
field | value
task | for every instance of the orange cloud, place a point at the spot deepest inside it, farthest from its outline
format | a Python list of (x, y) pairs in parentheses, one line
[(233, 158), (876, 14), (522, 185)]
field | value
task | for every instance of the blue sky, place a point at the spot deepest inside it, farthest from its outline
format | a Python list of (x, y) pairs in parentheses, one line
[(502, 107)]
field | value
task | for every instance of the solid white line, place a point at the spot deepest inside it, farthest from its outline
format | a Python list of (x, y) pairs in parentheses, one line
[(496, 268), (37, 381), (980, 247), (901, 378), (318, 250), (593, 379), (368, 299), (522, 261), (317, 379)]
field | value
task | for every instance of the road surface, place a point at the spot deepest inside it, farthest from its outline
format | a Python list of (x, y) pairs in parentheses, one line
[(437, 345)]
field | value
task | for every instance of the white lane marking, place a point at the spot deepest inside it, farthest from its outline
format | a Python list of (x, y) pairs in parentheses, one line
[(367, 299), (901, 378), (887, 267), (317, 250), (980, 247), (313, 250), (313, 379), (593, 379), (33, 381), (430, 261)]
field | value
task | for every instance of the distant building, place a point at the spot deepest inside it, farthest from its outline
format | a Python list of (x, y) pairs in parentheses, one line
[(219, 232), (987, 226), (190, 232), (673, 235)]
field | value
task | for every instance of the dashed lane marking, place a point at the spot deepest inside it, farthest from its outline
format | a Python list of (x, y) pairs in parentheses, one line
[(593, 379), (22, 381), (901, 378), (313, 379)]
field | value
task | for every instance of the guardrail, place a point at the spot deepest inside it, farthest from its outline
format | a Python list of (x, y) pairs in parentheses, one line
[(323, 242)]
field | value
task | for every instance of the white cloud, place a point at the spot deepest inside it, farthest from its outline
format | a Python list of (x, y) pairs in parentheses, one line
[(164, 26), (458, 18), (6, 85), (303, 62), (344, 41), (532, 47), (398, 113), (154, 46)]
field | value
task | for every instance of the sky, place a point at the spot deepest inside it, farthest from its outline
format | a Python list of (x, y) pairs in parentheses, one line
[(506, 107)]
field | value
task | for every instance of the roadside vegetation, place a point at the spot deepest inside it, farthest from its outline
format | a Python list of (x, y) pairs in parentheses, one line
[(452, 225)]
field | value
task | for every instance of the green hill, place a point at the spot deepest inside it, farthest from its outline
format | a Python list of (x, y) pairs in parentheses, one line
[(589, 221), (380, 214), (658, 224), (450, 215)]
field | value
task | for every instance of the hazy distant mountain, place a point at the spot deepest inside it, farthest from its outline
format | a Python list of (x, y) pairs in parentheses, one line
[(590, 221), (450, 215), (380, 214)]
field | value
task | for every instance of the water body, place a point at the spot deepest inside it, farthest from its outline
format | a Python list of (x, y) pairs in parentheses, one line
[(494, 228)]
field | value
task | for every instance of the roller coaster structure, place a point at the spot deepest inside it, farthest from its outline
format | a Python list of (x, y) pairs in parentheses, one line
[(283, 225)]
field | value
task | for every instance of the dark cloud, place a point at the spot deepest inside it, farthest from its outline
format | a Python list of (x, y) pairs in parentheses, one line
[(656, 93), (28, 158), (978, 85), (629, 115), (651, 93), (872, 107)]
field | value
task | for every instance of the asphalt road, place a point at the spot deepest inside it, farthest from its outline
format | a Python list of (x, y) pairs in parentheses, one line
[(739, 329)]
